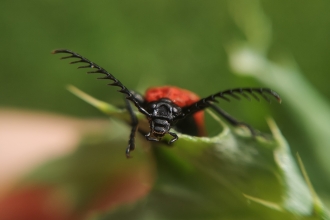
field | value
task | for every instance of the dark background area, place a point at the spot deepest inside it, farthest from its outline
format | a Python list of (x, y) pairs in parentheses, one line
[(149, 43)]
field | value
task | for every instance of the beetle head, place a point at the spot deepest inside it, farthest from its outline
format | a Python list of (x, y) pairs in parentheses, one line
[(163, 115)]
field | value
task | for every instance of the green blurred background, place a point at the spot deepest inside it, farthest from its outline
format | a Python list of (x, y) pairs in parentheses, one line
[(148, 43)]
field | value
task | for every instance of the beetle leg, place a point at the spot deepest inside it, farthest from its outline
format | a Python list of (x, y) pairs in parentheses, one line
[(175, 137), (149, 138), (232, 120), (131, 141), (139, 98)]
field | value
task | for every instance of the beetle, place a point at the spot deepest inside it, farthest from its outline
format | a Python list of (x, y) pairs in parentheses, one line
[(168, 106)]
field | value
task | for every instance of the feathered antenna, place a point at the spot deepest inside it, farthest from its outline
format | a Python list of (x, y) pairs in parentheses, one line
[(245, 92), (108, 75)]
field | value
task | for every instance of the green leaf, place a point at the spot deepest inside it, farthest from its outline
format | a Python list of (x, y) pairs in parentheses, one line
[(231, 175), (309, 108)]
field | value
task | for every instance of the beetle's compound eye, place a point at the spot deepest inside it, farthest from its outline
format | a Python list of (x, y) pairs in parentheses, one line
[(176, 110), (153, 105)]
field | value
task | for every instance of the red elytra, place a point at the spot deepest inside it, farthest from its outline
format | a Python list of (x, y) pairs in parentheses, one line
[(180, 97)]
